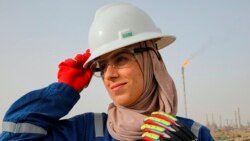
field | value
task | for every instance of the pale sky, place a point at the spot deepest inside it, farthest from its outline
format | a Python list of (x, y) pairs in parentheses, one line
[(36, 35)]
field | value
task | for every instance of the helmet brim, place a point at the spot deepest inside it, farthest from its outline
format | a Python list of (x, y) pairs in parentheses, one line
[(164, 41)]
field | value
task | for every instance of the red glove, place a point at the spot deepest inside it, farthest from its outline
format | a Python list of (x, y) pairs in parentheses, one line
[(72, 72)]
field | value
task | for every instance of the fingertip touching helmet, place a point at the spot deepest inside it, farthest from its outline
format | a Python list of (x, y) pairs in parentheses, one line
[(119, 25)]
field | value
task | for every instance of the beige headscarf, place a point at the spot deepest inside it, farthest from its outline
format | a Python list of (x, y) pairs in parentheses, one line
[(159, 95)]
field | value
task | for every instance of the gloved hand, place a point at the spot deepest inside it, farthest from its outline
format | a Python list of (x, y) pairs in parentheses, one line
[(72, 72), (161, 126)]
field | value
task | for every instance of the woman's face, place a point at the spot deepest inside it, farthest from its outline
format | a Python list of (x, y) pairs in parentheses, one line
[(124, 85)]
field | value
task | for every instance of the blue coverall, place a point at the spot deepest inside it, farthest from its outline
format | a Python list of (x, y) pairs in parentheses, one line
[(36, 116)]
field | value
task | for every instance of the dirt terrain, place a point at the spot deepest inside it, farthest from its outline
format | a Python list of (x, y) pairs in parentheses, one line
[(231, 135)]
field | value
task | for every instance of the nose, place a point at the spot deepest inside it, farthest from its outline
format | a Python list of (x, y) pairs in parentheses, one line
[(110, 72)]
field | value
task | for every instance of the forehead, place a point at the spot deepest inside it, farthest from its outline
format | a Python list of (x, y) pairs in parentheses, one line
[(115, 52)]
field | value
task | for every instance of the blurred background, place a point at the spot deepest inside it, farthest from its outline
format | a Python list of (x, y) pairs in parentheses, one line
[(210, 57)]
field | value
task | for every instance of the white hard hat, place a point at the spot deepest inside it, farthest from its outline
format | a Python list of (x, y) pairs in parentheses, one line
[(119, 25)]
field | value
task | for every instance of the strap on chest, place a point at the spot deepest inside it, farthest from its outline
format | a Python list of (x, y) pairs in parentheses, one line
[(196, 128), (98, 124)]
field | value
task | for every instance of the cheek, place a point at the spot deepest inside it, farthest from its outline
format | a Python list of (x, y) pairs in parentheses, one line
[(137, 78), (137, 82), (133, 90)]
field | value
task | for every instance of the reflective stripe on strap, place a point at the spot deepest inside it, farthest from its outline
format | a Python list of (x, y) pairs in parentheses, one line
[(22, 128), (196, 128), (98, 125)]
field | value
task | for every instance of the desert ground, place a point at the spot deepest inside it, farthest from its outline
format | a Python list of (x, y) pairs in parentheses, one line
[(231, 134)]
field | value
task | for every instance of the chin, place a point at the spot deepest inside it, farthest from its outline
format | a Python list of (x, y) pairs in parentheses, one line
[(122, 102)]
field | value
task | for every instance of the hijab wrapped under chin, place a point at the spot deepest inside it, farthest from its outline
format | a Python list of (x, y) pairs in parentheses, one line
[(159, 94)]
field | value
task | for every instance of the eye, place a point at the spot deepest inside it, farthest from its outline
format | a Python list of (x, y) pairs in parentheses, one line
[(102, 66), (122, 59)]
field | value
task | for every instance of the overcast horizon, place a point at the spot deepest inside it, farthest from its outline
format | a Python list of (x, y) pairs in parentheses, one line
[(35, 36)]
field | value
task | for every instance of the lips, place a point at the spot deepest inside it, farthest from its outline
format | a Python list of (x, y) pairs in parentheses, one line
[(117, 86)]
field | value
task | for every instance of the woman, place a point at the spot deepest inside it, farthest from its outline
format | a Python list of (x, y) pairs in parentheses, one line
[(124, 45)]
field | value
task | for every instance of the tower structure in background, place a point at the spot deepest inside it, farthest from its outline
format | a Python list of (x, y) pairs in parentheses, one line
[(185, 63), (220, 123), (236, 120), (240, 125)]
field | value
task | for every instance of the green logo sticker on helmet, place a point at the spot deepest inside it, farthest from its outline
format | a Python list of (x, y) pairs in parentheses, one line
[(126, 35)]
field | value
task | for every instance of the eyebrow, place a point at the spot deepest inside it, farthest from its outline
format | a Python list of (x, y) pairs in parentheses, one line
[(119, 53), (112, 56)]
